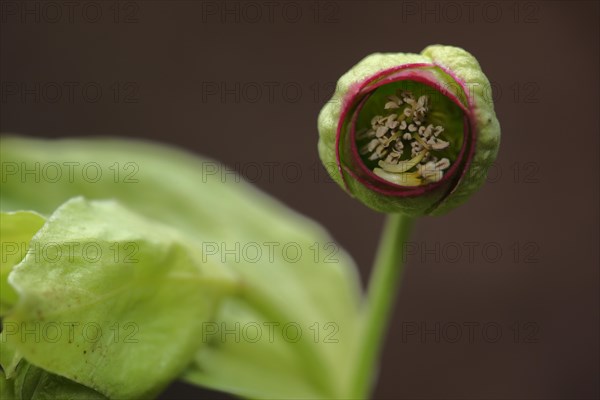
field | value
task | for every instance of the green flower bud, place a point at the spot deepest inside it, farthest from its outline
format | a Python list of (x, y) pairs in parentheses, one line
[(411, 133)]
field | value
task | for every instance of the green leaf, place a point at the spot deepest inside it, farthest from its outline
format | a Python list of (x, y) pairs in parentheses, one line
[(7, 391), (33, 383), (217, 212), (112, 300)]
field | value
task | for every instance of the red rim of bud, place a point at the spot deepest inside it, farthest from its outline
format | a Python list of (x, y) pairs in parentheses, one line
[(355, 99)]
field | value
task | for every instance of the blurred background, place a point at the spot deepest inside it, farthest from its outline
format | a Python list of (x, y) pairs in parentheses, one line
[(500, 297)]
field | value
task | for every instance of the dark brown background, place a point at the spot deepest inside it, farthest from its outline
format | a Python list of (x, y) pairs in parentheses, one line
[(542, 198)]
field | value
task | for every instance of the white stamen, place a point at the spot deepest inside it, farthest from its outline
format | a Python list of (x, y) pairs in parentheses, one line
[(444, 163), (428, 130), (395, 99), (440, 144), (387, 137), (381, 131), (375, 120)]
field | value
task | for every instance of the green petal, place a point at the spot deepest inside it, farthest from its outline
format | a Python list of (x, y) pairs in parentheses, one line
[(295, 326), (16, 230)]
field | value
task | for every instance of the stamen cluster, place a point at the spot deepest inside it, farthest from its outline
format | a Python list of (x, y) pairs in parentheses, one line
[(405, 126)]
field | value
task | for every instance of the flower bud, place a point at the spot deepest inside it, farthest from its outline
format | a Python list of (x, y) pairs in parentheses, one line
[(411, 133)]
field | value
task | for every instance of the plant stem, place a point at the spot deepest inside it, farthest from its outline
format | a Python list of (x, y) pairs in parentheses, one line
[(383, 285)]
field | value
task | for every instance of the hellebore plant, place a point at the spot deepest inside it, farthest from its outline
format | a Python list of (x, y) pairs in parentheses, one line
[(152, 302)]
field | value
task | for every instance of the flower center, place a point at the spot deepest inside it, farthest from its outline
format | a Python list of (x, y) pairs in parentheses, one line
[(403, 145)]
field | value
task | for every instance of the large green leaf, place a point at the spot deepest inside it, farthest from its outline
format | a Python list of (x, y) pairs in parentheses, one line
[(301, 279), (111, 299)]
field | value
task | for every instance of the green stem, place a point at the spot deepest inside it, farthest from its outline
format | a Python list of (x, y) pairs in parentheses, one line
[(383, 285)]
